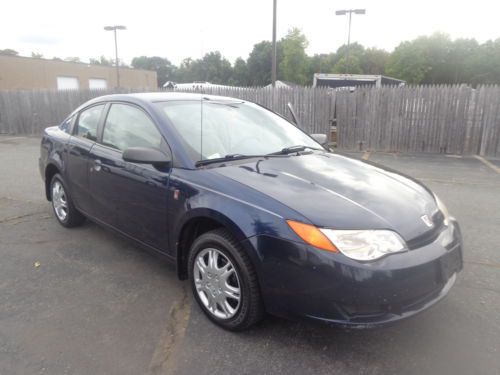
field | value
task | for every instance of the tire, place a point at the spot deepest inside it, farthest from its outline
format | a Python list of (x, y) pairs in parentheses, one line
[(227, 312), (64, 210)]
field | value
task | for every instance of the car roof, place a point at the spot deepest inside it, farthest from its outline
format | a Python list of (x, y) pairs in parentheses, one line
[(164, 96)]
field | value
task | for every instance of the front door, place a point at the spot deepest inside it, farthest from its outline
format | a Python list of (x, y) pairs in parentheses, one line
[(131, 197)]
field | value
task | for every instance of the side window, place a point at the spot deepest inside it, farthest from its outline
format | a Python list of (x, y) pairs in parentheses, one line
[(88, 121), (127, 126)]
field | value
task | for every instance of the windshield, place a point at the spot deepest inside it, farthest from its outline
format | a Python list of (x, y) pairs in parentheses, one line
[(218, 128)]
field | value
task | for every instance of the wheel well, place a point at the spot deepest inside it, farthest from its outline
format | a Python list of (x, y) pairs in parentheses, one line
[(50, 171), (191, 230)]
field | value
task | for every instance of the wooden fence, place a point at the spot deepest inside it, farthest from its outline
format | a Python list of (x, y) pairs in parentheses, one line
[(438, 119)]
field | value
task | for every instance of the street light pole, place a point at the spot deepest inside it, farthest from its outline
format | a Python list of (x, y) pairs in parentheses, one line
[(343, 13), (273, 68), (114, 28)]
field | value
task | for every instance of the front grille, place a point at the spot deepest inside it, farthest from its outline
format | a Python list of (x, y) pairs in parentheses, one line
[(431, 235)]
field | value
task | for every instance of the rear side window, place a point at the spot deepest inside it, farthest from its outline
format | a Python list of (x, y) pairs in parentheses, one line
[(88, 121), (128, 126)]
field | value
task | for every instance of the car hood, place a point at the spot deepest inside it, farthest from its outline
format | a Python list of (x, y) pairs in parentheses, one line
[(335, 191)]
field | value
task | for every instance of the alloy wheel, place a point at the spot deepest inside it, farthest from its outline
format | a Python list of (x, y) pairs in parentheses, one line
[(217, 283), (59, 201)]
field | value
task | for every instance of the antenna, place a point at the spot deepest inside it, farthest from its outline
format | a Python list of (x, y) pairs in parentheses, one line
[(201, 126)]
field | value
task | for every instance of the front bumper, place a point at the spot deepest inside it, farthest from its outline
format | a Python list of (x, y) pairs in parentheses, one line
[(298, 280)]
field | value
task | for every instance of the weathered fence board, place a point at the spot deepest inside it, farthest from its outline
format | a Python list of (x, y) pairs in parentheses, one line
[(437, 119)]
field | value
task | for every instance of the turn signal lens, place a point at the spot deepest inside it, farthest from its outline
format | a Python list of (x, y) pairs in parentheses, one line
[(312, 235)]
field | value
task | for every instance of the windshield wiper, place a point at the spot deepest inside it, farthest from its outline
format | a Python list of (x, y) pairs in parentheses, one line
[(230, 157), (292, 149), (226, 158)]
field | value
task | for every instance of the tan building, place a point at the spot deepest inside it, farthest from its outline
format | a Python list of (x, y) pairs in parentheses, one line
[(30, 73)]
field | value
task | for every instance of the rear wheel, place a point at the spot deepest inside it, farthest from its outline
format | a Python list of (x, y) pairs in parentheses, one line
[(64, 209), (224, 281)]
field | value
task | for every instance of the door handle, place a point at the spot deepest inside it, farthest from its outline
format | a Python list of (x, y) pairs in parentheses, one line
[(97, 165)]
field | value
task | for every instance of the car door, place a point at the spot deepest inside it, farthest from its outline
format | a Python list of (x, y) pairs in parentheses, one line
[(84, 136), (129, 196)]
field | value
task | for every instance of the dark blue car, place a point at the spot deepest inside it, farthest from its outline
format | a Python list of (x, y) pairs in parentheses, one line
[(253, 211)]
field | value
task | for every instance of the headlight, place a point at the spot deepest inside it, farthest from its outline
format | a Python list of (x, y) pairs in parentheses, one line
[(365, 245), (443, 209)]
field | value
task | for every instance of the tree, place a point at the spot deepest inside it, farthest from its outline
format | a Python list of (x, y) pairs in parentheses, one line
[(408, 63), (374, 61), (322, 63), (36, 55), (259, 64), (425, 59), (436, 49), (240, 73), (211, 68), (484, 65), (294, 64), (8, 52), (164, 69), (354, 49), (462, 58), (102, 61), (184, 72), (215, 68), (348, 64)]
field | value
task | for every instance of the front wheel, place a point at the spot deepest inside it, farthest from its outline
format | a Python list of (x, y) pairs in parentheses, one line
[(224, 281)]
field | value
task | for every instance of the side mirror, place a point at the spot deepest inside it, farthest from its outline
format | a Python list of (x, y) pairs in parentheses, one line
[(322, 139), (144, 155)]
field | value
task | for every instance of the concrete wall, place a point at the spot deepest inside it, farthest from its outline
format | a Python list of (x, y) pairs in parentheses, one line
[(30, 73)]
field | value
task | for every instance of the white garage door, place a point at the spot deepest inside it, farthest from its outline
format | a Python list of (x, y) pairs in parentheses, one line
[(98, 84), (67, 83)]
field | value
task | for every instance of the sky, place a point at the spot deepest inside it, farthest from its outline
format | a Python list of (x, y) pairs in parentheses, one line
[(191, 28)]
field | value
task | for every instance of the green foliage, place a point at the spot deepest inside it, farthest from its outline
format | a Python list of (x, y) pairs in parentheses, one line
[(433, 59), (322, 63), (259, 64), (427, 59), (240, 76), (355, 49), (36, 55), (374, 61), (164, 69), (438, 59), (8, 52), (348, 64), (484, 64), (294, 64), (211, 68), (102, 61), (408, 63)]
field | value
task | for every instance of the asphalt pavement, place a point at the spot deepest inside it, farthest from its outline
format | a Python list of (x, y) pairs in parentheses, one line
[(86, 301)]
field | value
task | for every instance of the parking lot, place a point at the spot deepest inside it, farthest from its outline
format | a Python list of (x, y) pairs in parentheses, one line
[(86, 301)]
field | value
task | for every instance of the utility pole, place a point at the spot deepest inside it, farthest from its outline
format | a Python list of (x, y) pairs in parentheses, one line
[(273, 69), (114, 28), (343, 13)]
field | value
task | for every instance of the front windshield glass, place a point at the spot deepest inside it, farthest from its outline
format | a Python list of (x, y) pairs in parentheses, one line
[(231, 127)]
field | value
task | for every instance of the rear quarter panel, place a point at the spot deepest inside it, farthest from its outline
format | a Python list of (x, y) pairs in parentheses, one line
[(52, 150)]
